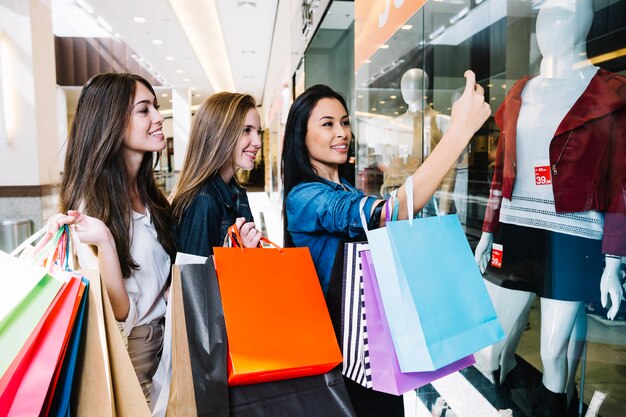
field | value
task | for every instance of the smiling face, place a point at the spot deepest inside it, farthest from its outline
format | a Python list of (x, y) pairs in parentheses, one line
[(328, 137), (249, 142), (144, 132)]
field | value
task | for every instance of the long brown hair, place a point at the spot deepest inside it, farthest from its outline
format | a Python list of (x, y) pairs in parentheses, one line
[(215, 132), (95, 179)]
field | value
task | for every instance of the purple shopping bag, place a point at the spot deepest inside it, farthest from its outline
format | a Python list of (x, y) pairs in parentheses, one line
[(384, 366)]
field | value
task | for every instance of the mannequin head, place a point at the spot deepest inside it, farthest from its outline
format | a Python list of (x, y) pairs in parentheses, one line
[(413, 85), (562, 27)]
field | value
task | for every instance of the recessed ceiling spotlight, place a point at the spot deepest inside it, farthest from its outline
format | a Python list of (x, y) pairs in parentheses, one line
[(157, 41), (407, 27), (197, 95), (384, 46), (246, 4), (193, 88), (179, 71), (169, 58), (164, 95), (186, 79), (367, 61), (139, 19)]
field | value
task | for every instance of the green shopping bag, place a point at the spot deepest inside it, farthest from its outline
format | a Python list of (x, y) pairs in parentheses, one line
[(26, 291)]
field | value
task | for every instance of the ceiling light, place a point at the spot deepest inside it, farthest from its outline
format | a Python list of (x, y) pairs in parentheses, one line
[(169, 58), (489, 85), (179, 71), (104, 24), (459, 15), (437, 32), (407, 27), (83, 5), (382, 101), (139, 19), (186, 80), (197, 95), (384, 46), (246, 4), (503, 86), (393, 97), (374, 109), (493, 98), (157, 41), (193, 88), (367, 61), (247, 52), (164, 95), (360, 96)]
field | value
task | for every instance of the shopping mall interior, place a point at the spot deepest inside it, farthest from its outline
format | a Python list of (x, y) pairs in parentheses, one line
[(399, 64)]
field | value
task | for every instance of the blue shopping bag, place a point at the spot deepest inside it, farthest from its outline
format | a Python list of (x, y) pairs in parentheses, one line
[(436, 302)]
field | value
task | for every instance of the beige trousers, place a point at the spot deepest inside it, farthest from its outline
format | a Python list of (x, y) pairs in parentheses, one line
[(145, 344)]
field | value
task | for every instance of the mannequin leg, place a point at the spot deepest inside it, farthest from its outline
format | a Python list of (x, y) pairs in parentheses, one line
[(512, 308), (574, 351), (558, 320)]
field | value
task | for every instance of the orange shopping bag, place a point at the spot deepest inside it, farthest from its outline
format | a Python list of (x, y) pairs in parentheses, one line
[(276, 318)]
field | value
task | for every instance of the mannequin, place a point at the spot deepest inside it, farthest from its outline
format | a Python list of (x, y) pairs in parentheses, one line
[(408, 132), (537, 173)]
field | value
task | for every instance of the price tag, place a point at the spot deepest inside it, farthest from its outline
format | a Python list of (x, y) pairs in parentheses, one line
[(542, 175), (496, 255)]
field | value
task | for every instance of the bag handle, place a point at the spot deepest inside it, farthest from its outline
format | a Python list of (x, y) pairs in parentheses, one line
[(235, 241), (31, 239)]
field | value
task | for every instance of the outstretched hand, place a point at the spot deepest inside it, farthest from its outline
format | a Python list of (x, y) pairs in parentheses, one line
[(470, 111)]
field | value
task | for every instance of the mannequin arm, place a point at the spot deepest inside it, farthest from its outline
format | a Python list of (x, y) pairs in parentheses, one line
[(482, 255), (610, 285)]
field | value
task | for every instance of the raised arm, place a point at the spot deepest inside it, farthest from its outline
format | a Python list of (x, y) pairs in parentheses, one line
[(469, 113)]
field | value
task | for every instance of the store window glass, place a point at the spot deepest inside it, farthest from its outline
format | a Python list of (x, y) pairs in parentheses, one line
[(539, 190)]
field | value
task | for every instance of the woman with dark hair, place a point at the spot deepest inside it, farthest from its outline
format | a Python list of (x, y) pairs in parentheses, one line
[(207, 200), (321, 208), (114, 205)]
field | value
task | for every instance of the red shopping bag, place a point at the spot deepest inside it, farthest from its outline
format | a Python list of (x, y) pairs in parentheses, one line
[(276, 318)]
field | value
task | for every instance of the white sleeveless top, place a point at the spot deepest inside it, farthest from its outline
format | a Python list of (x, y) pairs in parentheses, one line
[(545, 103)]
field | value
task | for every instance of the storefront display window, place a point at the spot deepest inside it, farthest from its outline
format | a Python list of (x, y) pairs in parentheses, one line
[(540, 188)]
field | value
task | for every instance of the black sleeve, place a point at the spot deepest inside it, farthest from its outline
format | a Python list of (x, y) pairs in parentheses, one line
[(374, 221), (199, 229)]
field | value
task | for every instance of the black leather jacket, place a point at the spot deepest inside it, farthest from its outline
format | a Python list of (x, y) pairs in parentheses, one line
[(212, 211)]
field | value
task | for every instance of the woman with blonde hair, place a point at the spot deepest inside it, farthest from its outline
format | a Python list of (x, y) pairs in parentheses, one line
[(225, 136)]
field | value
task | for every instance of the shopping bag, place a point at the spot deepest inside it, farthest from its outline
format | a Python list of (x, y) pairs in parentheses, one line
[(26, 393), (385, 369), (311, 396), (276, 319), (59, 406), (206, 336), (344, 298), (171, 394), (26, 293), (433, 294), (106, 383)]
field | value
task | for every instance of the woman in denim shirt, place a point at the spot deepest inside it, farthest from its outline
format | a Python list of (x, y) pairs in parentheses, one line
[(321, 208), (225, 136)]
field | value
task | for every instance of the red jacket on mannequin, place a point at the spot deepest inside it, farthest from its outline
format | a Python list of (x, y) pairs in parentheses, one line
[(587, 157)]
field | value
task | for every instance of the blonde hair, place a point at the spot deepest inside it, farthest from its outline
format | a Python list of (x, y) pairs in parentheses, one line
[(215, 132)]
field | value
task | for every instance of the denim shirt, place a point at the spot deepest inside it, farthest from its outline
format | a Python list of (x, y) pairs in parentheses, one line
[(322, 214), (212, 211)]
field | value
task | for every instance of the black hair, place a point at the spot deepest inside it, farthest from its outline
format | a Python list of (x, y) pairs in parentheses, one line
[(296, 163)]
